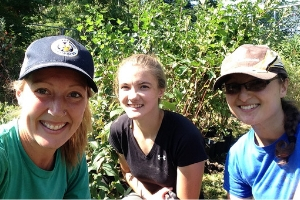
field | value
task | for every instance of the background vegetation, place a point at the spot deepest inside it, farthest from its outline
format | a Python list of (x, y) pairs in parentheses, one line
[(191, 42)]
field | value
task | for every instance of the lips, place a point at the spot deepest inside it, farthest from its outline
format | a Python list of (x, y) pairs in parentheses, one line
[(52, 126)]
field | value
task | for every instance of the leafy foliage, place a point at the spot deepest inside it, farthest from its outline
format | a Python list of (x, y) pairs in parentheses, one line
[(8, 59), (290, 52), (191, 43)]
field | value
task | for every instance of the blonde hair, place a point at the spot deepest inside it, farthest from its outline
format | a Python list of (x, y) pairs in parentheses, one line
[(147, 62), (73, 150)]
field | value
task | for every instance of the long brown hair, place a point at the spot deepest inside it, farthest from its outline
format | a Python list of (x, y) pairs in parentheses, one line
[(291, 120)]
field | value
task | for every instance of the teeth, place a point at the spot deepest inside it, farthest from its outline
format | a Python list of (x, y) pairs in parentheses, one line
[(135, 105), (53, 127), (249, 107)]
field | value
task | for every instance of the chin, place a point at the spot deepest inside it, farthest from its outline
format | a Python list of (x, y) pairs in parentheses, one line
[(50, 144), (133, 115)]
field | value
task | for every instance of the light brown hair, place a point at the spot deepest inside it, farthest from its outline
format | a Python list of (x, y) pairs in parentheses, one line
[(147, 62)]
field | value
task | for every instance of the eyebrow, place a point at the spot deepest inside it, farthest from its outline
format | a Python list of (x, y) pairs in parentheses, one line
[(144, 82), (139, 83)]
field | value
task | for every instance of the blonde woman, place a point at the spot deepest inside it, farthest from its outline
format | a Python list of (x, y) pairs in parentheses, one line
[(159, 151), (42, 152)]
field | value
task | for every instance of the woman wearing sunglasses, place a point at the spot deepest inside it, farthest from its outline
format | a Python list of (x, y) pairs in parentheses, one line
[(264, 163)]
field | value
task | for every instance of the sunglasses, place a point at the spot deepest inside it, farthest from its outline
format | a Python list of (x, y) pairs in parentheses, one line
[(254, 85)]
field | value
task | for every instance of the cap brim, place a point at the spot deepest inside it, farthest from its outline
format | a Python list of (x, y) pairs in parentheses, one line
[(90, 81), (258, 73)]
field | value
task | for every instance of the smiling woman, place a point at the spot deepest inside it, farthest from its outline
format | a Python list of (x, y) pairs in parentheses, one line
[(159, 151), (45, 146), (264, 163)]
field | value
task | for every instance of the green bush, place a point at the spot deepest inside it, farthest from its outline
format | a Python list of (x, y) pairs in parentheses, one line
[(7, 112), (289, 49), (190, 43)]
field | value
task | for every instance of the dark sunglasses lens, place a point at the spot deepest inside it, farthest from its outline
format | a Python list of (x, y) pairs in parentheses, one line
[(232, 88), (256, 85)]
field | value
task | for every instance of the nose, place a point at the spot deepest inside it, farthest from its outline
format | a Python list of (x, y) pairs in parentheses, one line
[(57, 108), (244, 94), (132, 94)]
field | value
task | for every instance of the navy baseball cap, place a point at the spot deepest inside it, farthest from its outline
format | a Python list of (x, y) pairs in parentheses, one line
[(59, 51)]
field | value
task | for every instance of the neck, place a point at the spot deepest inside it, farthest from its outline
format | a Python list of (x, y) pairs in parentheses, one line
[(43, 158), (268, 133), (149, 126)]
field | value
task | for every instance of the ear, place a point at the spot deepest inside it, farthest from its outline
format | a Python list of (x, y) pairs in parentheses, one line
[(19, 97), (284, 87), (161, 92)]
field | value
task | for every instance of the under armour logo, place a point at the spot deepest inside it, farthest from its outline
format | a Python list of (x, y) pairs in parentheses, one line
[(161, 157)]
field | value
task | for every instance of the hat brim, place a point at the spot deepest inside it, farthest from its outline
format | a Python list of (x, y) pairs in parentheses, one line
[(258, 73), (90, 81)]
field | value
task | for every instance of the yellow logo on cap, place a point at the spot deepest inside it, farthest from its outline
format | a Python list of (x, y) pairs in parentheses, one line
[(64, 47)]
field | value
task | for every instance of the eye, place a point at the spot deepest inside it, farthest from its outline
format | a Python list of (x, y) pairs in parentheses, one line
[(256, 84), (232, 88), (144, 86), (42, 91), (75, 95), (124, 87)]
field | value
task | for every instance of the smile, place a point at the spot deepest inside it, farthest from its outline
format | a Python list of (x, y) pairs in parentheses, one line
[(135, 105), (53, 127), (249, 107)]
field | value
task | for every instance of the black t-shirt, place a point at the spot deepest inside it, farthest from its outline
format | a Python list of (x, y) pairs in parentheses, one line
[(178, 143)]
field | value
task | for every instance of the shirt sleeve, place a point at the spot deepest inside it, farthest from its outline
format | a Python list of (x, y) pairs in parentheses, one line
[(191, 149), (188, 142), (3, 171), (78, 182), (234, 183), (118, 137), (114, 138)]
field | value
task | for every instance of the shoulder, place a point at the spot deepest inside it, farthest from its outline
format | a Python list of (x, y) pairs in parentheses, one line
[(8, 127), (121, 122), (179, 126), (177, 119), (180, 130), (242, 144), (7, 144), (8, 131), (78, 183), (119, 131)]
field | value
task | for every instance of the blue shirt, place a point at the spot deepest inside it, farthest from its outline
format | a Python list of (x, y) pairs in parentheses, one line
[(251, 170)]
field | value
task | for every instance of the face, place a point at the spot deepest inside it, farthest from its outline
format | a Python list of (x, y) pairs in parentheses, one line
[(138, 91), (52, 103), (256, 107)]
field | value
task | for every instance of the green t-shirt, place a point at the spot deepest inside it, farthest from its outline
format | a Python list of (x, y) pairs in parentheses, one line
[(21, 178)]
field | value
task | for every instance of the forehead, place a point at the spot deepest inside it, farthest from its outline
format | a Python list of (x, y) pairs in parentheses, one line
[(135, 72), (58, 73)]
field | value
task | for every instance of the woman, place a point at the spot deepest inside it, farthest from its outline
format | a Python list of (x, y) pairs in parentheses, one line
[(159, 151), (264, 163), (42, 152)]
